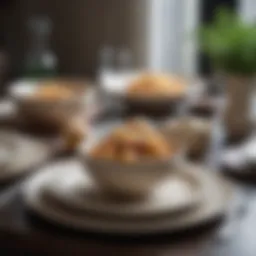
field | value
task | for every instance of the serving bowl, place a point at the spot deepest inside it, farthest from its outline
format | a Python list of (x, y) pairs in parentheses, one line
[(127, 180), (47, 113), (118, 89), (192, 133)]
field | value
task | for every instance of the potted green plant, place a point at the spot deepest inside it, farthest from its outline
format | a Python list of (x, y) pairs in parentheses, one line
[(230, 44)]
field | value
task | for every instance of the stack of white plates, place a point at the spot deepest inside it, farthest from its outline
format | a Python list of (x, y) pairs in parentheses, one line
[(64, 194)]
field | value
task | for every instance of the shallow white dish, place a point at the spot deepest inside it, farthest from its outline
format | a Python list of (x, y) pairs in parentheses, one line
[(240, 160), (215, 197), (75, 190), (20, 153)]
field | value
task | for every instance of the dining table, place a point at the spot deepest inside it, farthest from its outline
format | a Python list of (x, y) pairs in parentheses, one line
[(22, 232)]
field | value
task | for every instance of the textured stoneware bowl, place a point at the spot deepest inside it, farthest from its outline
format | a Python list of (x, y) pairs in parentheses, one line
[(127, 180), (46, 113), (116, 88), (193, 133)]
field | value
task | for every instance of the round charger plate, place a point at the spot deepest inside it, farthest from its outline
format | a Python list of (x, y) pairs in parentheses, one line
[(75, 190), (215, 197), (20, 153)]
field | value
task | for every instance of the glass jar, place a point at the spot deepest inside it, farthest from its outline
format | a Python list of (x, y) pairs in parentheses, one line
[(40, 60)]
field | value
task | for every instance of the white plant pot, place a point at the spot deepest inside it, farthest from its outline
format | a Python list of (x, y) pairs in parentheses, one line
[(237, 113)]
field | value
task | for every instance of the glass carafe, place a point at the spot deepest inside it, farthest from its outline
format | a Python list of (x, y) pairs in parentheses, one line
[(40, 60)]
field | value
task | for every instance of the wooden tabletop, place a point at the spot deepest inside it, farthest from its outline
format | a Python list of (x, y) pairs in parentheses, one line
[(23, 233)]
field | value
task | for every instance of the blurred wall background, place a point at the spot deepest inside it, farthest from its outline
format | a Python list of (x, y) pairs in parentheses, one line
[(81, 28), (152, 29)]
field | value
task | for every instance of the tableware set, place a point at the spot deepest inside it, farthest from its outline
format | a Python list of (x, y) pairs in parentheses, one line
[(112, 197), (191, 197)]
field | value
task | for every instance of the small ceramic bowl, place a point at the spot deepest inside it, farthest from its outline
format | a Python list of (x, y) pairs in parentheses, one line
[(41, 112), (116, 88), (127, 180), (192, 133)]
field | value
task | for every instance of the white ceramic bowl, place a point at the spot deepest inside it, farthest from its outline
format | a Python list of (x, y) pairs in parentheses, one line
[(127, 180), (47, 113), (116, 87), (192, 133)]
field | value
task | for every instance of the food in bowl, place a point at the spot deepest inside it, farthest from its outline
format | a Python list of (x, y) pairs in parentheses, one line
[(134, 141), (50, 104), (157, 85), (53, 93), (55, 90), (130, 161)]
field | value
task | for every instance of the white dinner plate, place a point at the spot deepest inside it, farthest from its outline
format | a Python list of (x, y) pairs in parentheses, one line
[(180, 192), (20, 153), (215, 197)]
